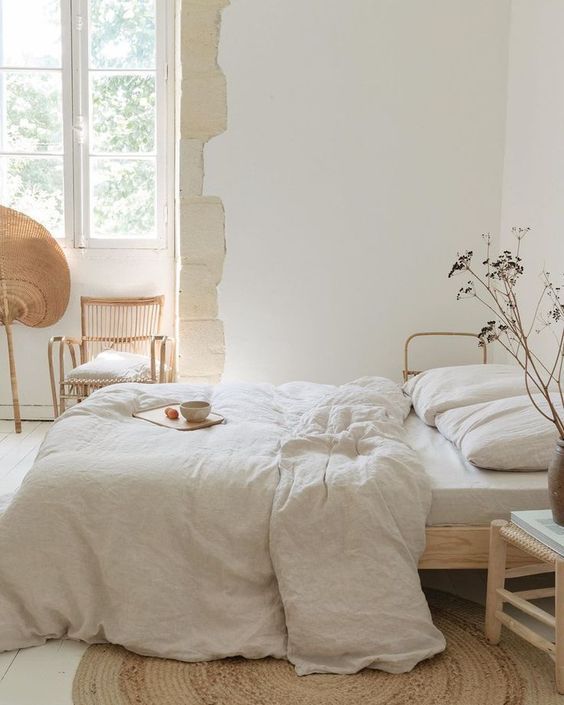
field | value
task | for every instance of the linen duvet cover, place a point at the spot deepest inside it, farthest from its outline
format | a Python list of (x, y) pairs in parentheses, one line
[(293, 530)]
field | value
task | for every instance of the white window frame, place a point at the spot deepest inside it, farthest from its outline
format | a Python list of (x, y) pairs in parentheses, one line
[(75, 60)]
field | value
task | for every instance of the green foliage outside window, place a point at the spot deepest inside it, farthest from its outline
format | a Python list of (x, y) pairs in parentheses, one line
[(122, 36)]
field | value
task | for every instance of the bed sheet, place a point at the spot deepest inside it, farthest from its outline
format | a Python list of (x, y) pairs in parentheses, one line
[(465, 494)]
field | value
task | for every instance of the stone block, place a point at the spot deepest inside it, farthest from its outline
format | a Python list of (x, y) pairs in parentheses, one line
[(191, 167), (206, 379), (198, 293), (199, 37), (202, 233), (215, 4), (203, 105), (202, 348)]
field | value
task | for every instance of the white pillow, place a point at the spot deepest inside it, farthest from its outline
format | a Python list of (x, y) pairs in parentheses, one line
[(444, 388), (113, 365), (508, 434)]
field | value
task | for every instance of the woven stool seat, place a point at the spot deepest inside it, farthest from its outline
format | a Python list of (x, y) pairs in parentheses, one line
[(521, 539)]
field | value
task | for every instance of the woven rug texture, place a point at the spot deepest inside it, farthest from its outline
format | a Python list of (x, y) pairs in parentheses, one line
[(469, 672)]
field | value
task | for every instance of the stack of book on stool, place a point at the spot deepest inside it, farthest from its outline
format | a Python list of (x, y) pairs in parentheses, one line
[(540, 525)]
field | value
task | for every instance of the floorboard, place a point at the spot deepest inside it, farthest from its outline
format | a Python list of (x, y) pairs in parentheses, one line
[(42, 675), (7, 427), (6, 660), (10, 442), (17, 453)]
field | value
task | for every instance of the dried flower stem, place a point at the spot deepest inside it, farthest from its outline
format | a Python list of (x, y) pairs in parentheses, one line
[(508, 328)]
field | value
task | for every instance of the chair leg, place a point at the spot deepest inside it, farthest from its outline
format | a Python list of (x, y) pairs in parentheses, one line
[(496, 580), (52, 380), (172, 362), (13, 379), (55, 404)]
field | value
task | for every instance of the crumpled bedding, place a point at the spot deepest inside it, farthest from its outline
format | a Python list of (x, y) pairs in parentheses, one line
[(293, 530)]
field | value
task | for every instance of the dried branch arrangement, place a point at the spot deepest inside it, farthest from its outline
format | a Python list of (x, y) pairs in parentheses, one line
[(495, 285)]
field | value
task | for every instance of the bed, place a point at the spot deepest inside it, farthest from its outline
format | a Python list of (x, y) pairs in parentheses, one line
[(294, 530)]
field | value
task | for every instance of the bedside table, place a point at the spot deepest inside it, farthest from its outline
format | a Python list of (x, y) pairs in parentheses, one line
[(544, 560)]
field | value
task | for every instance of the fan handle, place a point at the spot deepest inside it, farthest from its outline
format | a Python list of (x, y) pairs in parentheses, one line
[(13, 380)]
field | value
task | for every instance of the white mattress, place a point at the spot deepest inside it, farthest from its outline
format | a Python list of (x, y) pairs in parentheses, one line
[(464, 494)]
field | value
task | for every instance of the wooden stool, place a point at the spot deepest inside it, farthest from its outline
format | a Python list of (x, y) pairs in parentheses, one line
[(501, 534)]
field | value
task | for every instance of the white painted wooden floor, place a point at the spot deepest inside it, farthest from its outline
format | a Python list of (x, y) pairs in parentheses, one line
[(42, 675)]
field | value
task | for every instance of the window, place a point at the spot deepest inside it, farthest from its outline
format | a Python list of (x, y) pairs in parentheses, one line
[(86, 118)]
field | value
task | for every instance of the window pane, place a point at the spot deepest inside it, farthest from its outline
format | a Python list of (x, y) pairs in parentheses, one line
[(123, 113), (31, 113), (30, 33), (122, 34), (34, 186), (123, 198)]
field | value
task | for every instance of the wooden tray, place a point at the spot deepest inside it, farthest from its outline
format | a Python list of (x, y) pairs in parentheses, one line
[(157, 416)]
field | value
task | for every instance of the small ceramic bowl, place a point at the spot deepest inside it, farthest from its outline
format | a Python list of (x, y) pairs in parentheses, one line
[(195, 410)]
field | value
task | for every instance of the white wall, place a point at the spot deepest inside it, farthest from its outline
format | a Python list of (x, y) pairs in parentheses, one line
[(364, 147), (533, 193), (93, 273)]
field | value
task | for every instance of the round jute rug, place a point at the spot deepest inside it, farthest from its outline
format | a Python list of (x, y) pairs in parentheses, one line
[(469, 672)]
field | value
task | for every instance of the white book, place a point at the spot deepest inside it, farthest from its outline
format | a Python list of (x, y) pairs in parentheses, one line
[(539, 524)]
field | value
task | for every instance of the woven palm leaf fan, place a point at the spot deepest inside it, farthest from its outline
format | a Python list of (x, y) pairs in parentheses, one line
[(34, 282)]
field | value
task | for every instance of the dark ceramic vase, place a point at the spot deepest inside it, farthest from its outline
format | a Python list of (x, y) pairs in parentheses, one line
[(556, 484)]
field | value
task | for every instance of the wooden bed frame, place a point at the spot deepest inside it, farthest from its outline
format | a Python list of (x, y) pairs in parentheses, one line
[(458, 546), (464, 546)]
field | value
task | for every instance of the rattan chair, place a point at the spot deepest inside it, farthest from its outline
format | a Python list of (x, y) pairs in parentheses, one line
[(121, 341)]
